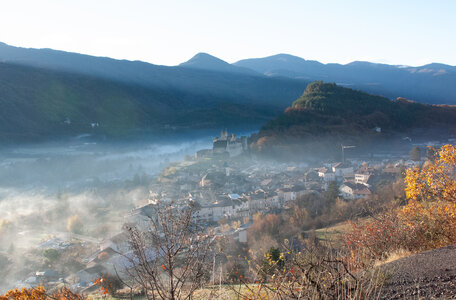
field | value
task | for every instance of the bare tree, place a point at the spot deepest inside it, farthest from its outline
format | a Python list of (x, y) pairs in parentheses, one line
[(170, 259)]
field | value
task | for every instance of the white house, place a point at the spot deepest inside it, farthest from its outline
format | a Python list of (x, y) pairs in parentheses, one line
[(262, 201), (353, 191), (362, 177), (234, 206)]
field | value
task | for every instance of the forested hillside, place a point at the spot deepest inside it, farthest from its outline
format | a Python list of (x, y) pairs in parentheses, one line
[(40, 104), (326, 111), (41, 88)]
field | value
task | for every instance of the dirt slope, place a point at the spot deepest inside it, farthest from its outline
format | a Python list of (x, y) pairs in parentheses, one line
[(426, 275)]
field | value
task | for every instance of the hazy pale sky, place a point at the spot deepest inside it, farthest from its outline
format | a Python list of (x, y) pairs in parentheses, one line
[(168, 32)]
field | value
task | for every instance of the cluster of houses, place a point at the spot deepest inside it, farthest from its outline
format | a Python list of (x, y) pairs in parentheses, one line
[(232, 189), (356, 180)]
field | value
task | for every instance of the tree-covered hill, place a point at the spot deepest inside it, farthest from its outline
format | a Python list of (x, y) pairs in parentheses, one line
[(335, 114)]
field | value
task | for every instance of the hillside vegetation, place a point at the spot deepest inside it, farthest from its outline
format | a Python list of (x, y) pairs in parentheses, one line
[(328, 111), (42, 104)]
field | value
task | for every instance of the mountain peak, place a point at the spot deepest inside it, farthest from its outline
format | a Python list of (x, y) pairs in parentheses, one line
[(209, 62), (286, 57), (204, 61)]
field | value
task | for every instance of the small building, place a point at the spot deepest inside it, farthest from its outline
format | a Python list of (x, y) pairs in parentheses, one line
[(88, 275), (353, 191), (119, 243), (362, 177), (342, 169), (242, 236), (242, 232), (286, 194), (326, 174), (140, 217), (364, 174), (47, 275), (54, 243)]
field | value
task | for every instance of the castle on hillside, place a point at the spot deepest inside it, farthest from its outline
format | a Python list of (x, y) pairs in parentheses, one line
[(229, 144)]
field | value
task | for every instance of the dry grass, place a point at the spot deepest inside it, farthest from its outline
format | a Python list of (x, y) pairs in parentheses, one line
[(395, 255), (331, 234), (226, 292)]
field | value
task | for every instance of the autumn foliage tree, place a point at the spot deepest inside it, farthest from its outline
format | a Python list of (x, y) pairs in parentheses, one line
[(435, 181), (75, 224), (427, 221), (430, 214)]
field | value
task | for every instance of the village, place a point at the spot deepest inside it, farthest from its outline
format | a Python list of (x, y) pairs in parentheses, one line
[(226, 184)]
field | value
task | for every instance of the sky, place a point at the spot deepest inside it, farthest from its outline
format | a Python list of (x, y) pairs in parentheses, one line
[(168, 32)]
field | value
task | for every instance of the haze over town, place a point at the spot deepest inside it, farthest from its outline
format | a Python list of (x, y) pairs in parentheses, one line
[(202, 148)]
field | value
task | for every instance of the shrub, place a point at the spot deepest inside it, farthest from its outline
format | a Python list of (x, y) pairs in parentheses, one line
[(39, 293), (316, 272), (427, 221)]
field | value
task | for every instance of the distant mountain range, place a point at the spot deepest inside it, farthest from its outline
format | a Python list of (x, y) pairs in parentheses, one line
[(124, 97), (433, 83), (203, 92)]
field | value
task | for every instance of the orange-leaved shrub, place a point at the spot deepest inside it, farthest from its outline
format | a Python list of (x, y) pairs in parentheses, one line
[(39, 293), (427, 221)]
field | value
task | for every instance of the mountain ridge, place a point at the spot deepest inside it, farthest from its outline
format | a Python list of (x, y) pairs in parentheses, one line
[(235, 87), (209, 62), (433, 83)]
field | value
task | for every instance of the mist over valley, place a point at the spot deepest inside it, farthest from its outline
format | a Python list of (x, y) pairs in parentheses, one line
[(243, 172)]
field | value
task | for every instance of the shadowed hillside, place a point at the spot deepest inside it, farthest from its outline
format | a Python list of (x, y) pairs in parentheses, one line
[(197, 85), (41, 104)]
